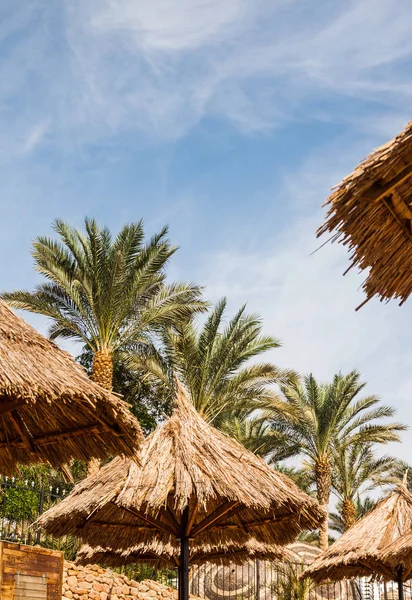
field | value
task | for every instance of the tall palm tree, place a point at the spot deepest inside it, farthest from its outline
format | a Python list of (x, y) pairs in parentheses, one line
[(255, 434), (318, 416), (400, 470), (147, 401), (213, 363), (250, 431), (362, 506), (108, 293), (357, 470), (302, 477)]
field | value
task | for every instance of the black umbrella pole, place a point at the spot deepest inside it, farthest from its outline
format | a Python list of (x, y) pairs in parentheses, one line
[(183, 574), (400, 583)]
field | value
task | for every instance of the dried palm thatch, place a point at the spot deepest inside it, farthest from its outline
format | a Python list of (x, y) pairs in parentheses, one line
[(192, 482), (371, 212), (186, 465), (49, 410), (398, 556), (361, 550), (162, 555)]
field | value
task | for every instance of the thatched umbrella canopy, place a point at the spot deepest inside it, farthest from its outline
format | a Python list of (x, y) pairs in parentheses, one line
[(193, 482), (398, 556), (361, 550), (162, 555), (370, 211), (49, 409)]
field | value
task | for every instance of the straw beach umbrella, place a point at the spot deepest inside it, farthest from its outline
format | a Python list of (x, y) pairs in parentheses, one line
[(370, 211), (49, 409), (361, 551), (194, 486), (162, 555), (398, 556), (226, 562)]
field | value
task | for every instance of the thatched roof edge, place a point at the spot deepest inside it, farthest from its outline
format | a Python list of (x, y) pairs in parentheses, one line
[(51, 411), (361, 550), (186, 461), (370, 212)]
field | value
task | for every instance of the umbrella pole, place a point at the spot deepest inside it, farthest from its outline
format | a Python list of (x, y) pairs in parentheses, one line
[(183, 571), (400, 582)]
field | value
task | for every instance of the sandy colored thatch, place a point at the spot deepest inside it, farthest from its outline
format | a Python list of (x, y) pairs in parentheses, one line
[(399, 554), (361, 550), (371, 213), (192, 480), (163, 555), (49, 409)]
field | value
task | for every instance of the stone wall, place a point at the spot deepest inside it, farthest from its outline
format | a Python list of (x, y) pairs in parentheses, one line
[(94, 583)]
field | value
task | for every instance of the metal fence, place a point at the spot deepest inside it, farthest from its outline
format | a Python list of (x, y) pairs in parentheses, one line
[(262, 580), (22, 502)]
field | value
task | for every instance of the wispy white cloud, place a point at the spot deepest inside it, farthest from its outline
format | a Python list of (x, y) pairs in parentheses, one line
[(310, 307), (160, 67), (167, 25), (306, 302), (79, 72), (35, 136)]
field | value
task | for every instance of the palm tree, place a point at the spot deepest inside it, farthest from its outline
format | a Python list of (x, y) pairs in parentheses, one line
[(318, 416), (402, 468), (362, 506), (289, 584), (108, 293), (357, 470), (213, 362), (252, 432), (147, 401), (302, 477)]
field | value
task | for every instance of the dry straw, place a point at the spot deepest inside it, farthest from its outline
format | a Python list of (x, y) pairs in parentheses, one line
[(195, 489), (229, 493), (161, 555), (49, 409), (370, 212), (362, 549), (398, 556)]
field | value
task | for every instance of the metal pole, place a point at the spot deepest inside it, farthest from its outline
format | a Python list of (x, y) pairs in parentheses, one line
[(183, 571), (257, 567), (400, 582), (41, 508)]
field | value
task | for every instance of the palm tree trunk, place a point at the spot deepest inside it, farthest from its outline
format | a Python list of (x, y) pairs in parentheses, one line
[(102, 374), (323, 487), (102, 371), (349, 513)]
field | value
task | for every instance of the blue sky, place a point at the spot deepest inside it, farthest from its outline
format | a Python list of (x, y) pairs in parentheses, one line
[(228, 120)]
